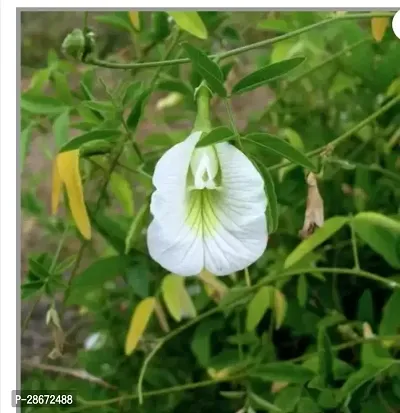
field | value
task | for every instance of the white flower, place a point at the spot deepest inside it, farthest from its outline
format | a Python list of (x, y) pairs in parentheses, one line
[(208, 210)]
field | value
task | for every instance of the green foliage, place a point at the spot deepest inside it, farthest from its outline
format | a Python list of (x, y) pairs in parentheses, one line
[(313, 325)]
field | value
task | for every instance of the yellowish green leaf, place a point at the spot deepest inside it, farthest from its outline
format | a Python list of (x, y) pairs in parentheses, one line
[(176, 297), (258, 306), (378, 27), (191, 22), (67, 164), (214, 288), (280, 308), (122, 190), (140, 318)]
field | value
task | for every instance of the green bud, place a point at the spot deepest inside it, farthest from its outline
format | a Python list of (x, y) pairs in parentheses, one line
[(96, 147), (78, 44)]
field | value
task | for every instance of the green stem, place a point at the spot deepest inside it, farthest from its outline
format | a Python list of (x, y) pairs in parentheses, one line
[(229, 110), (205, 383), (239, 50), (345, 135), (203, 122), (354, 247)]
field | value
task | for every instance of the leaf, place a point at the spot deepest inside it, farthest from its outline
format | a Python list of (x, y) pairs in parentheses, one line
[(280, 308), (214, 288), (207, 68), (258, 306), (42, 105), (136, 112), (61, 129), (365, 310), (217, 135), (116, 20), (390, 323), (25, 139), (358, 379), (140, 319), (330, 227), (288, 398), (135, 20), (176, 298), (191, 22), (63, 90), (308, 405), (77, 142), (282, 371), (95, 276), (280, 147), (381, 233), (302, 290), (272, 207), (122, 190), (263, 404), (266, 74), (136, 226), (325, 355), (103, 107), (378, 27), (68, 171), (274, 25), (172, 85)]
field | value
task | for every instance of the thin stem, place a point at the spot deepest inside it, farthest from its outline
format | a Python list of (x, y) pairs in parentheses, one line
[(345, 135), (205, 383), (354, 247), (239, 50), (247, 277), (29, 315), (232, 121)]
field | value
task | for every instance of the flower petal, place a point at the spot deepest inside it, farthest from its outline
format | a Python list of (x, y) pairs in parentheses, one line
[(238, 211), (170, 240)]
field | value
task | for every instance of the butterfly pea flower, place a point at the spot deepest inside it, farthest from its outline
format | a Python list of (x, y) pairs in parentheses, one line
[(208, 209)]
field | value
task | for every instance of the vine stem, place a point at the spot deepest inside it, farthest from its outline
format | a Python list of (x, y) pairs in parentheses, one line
[(346, 134), (205, 383), (267, 280), (97, 62)]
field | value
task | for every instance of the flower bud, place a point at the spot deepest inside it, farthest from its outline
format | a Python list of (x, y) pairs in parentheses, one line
[(78, 44)]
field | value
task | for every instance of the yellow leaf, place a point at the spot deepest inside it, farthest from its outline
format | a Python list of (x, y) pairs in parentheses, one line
[(176, 297), (68, 170), (191, 22), (55, 189), (280, 307), (215, 288), (135, 20), (140, 318), (378, 27)]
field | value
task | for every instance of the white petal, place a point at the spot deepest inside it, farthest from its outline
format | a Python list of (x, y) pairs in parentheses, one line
[(237, 215), (171, 242)]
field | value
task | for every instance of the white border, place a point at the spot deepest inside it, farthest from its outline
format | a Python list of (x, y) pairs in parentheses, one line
[(8, 208), (8, 256)]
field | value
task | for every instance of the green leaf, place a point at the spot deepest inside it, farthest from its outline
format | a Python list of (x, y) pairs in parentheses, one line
[(358, 379), (274, 25), (179, 86), (279, 371), (325, 355), (38, 269), (381, 233), (266, 74), (330, 227), (207, 68), (61, 129), (308, 405), (258, 306), (191, 22), (42, 105), (201, 341), (272, 208), (302, 290), (94, 277), (132, 92), (365, 311), (63, 90), (217, 135), (137, 110), (25, 139), (30, 288), (136, 227), (104, 107), (288, 398), (138, 276), (116, 20), (76, 143), (122, 190), (390, 323), (280, 147), (263, 404)]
